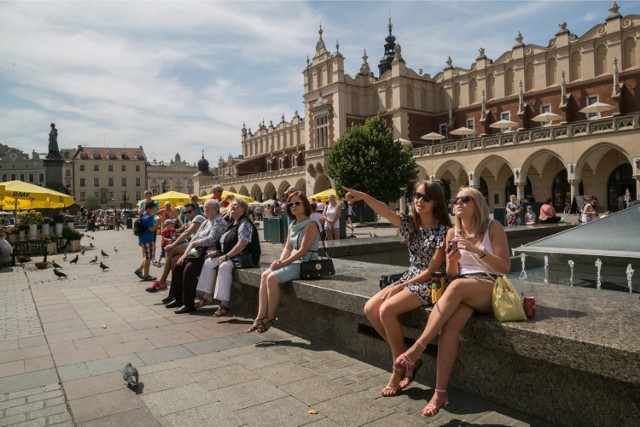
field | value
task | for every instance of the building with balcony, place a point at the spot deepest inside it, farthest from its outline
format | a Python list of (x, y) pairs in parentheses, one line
[(177, 175), (116, 176), (576, 154)]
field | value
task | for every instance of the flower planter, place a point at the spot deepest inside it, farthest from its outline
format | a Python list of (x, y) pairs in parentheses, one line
[(33, 231), (45, 229), (74, 246), (59, 229)]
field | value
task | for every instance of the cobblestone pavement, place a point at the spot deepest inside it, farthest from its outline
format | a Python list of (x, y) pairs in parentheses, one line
[(63, 343)]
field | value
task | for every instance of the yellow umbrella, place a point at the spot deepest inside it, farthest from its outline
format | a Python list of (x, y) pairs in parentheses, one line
[(323, 196), (21, 195), (226, 194), (175, 197)]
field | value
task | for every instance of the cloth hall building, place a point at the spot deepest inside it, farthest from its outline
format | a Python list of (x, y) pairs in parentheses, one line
[(574, 154)]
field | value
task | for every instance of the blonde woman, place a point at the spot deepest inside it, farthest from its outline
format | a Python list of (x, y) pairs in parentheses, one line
[(425, 232), (476, 246)]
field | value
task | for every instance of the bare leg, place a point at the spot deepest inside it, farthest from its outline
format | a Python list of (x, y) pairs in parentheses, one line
[(472, 292), (447, 352)]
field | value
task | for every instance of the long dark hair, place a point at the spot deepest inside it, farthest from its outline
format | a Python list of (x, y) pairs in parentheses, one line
[(434, 190)]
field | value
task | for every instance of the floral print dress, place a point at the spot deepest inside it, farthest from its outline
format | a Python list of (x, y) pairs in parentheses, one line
[(422, 244)]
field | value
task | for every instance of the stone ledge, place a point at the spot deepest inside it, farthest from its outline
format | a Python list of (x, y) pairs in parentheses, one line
[(583, 342)]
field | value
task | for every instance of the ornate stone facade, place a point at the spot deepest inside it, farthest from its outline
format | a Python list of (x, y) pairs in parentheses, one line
[(577, 154)]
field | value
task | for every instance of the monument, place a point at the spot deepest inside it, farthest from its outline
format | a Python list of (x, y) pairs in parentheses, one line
[(53, 164)]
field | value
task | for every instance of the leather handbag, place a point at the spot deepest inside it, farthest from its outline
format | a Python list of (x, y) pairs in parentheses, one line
[(317, 268), (196, 253), (243, 260), (388, 279)]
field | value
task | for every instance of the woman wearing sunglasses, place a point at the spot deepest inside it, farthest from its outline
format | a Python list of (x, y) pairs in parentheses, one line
[(477, 248), (425, 232), (301, 245)]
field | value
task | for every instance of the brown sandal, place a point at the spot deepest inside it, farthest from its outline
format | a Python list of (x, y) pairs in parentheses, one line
[(202, 302), (222, 310)]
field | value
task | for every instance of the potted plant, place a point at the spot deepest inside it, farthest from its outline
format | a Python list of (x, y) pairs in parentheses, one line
[(73, 237)]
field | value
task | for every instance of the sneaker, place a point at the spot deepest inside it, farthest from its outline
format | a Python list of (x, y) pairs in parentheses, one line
[(148, 279), (138, 273), (157, 286)]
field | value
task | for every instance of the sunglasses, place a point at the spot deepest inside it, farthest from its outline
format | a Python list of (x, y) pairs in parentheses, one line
[(292, 204), (425, 197), (463, 199), (191, 211)]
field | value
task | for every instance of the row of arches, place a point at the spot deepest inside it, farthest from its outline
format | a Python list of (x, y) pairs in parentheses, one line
[(605, 171)]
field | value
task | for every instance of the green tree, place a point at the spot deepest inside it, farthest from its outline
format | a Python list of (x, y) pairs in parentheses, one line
[(367, 158), (92, 203)]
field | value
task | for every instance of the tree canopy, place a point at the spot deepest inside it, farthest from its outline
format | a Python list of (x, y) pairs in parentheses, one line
[(366, 158)]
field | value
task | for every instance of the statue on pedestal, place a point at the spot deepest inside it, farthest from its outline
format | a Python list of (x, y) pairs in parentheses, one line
[(54, 152)]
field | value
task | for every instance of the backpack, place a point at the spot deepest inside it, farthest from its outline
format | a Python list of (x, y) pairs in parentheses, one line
[(138, 228)]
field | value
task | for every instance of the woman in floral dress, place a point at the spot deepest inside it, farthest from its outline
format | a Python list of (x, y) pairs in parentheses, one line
[(425, 233)]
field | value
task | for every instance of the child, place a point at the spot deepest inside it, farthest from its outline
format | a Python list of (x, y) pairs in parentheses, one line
[(168, 234), (530, 217)]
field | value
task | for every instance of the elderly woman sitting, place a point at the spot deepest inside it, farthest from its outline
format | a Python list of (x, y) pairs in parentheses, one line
[(186, 270), (241, 238)]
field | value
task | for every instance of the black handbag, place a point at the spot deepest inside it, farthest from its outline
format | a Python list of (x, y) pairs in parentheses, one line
[(388, 279), (196, 253), (243, 260), (317, 268)]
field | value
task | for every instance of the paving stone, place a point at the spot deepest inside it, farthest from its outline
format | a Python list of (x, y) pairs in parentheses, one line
[(314, 390), (212, 413), (280, 412), (165, 354), (177, 399), (135, 418), (103, 405), (98, 367), (209, 346), (283, 373), (224, 376), (73, 372), (28, 380), (248, 394)]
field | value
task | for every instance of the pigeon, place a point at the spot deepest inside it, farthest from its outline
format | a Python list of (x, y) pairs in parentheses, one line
[(130, 375), (60, 274), (91, 244), (103, 267), (55, 264), (94, 260), (75, 260), (104, 254), (82, 252)]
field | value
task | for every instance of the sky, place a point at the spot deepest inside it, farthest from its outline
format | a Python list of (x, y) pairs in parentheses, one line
[(183, 76)]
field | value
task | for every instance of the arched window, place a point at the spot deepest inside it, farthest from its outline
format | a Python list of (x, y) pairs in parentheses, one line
[(629, 53), (473, 91), (509, 87), (552, 72), (575, 69), (529, 77), (491, 86), (601, 59)]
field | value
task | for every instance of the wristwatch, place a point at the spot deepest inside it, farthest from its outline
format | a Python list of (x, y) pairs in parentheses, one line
[(484, 252)]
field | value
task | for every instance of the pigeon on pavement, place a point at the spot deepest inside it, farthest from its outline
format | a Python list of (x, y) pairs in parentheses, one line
[(130, 375), (60, 274)]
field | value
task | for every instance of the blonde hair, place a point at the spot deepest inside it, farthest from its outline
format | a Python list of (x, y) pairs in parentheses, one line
[(480, 214)]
